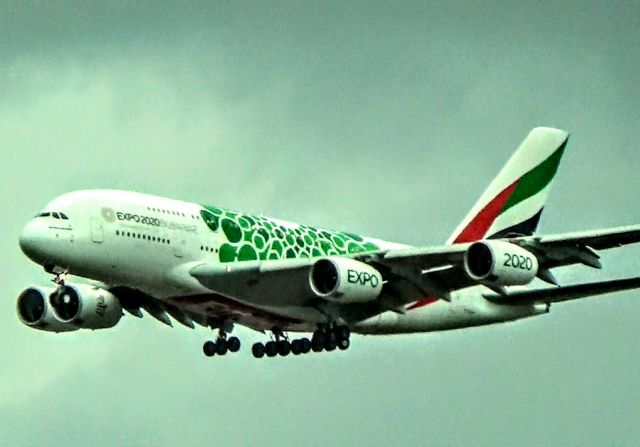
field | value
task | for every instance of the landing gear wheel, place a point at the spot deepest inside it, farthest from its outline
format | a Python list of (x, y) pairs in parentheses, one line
[(284, 348), (258, 350), (317, 344), (221, 347), (305, 345), (233, 344), (296, 347), (209, 348), (330, 346), (344, 344), (270, 349), (342, 332)]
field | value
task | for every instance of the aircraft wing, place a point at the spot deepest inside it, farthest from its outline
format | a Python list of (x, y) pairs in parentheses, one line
[(560, 249), (442, 267), (597, 239), (410, 274), (572, 248), (566, 293)]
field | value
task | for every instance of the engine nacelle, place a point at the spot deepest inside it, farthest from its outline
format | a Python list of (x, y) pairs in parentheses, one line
[(500, 263), (76, 306), (345, 280), (86, 306)]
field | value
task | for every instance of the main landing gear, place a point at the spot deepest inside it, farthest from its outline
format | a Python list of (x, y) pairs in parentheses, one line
[(222, 345), (325, 338)]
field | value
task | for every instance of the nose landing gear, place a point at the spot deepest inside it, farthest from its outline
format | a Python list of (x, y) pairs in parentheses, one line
[(60, 278)]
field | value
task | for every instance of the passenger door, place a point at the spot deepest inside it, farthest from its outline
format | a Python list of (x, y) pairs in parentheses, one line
[(178, 243), (97, 230)]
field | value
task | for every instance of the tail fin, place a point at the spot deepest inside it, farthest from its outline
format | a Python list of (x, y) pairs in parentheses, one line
[(513, 202)]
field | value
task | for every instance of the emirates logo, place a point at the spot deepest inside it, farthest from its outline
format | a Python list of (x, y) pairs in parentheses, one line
[(109, 215)]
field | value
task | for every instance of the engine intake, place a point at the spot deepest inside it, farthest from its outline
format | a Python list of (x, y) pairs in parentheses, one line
[(500, 263), (345, 280), (35, 311)]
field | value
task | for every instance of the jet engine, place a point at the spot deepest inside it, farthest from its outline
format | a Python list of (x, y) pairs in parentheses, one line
[(500, 263), (345, 280), (71, 307)]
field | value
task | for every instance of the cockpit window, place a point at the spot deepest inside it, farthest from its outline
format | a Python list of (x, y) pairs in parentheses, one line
[(55, 215)]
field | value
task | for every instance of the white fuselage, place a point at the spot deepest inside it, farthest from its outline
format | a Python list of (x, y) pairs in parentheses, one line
[(150, 243)]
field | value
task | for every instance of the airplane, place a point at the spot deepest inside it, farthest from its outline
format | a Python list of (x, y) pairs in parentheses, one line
[(200, 264)]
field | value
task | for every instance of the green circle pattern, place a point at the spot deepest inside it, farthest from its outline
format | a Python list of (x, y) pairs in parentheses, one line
[(253, 237)]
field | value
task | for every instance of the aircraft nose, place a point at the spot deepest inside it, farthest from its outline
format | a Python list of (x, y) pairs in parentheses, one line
[(29, 239)]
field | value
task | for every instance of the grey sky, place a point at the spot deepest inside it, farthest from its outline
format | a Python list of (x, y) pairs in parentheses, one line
[(384, 118)]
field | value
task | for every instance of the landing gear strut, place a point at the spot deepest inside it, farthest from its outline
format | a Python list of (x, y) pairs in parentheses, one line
[(60, 276)]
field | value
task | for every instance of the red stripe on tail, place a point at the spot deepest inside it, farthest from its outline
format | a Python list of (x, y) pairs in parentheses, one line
[(480, 224)]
